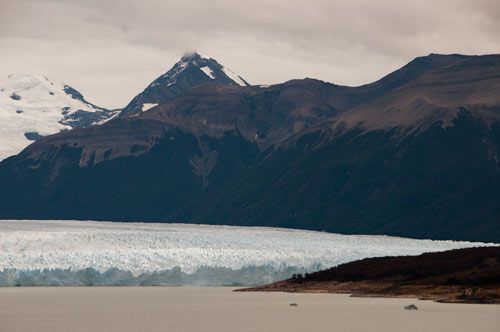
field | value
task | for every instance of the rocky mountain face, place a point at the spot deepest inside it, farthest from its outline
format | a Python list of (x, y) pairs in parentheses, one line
[(32, 107), (191, 71), (413, 154)]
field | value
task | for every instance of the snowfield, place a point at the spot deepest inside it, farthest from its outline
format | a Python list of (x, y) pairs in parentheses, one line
[(88, 252), (33, 104)]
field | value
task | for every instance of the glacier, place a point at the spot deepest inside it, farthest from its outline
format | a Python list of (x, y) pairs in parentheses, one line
[(35, 252)]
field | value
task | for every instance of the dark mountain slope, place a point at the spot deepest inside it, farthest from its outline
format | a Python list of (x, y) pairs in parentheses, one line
[(145, 167), (421, 161), (441, 183), (146, 186)]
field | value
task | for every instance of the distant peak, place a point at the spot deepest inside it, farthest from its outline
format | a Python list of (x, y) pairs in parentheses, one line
[(189, 56)]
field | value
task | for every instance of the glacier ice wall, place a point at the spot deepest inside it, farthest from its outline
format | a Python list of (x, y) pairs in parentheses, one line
[(105, 253)]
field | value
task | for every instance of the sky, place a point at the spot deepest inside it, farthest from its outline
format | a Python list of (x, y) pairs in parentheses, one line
[(110, 50)]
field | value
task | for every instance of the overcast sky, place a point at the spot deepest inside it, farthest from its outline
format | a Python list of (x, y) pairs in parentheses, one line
[(111, 49)]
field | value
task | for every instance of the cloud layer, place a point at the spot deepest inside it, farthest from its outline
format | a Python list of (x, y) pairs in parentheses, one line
[(110, 50)]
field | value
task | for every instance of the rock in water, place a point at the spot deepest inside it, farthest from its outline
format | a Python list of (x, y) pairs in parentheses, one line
[(411, 307)]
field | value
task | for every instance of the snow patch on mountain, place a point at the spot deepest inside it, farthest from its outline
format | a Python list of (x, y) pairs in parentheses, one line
[(208, 72), (236, 78), (146, 248), (147, 106)]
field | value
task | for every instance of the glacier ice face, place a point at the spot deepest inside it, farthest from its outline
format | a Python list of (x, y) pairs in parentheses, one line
[(88, 252)]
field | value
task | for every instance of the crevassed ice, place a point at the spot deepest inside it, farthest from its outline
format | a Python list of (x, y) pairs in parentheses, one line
[(209, 254)]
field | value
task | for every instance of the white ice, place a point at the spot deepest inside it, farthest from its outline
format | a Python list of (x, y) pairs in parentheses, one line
[(208, 72), (146, 247)]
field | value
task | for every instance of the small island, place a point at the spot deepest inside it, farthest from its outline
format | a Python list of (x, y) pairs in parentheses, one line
[(469, 275)]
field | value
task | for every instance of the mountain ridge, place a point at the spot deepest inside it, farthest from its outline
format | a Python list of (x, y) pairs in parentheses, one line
[(74, 111), (301, 154)]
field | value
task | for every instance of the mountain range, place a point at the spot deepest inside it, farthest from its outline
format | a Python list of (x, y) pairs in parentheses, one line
[(413, 154), (32, 106)]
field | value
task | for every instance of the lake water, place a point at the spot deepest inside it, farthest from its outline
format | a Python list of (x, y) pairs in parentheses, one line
[(211, 309)]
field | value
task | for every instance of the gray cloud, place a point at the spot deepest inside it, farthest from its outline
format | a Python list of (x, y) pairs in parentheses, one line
[(111, 49)]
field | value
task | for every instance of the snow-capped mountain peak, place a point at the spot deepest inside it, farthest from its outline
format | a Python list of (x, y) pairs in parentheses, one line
[(32, 106), (191, 70), (208, 66)]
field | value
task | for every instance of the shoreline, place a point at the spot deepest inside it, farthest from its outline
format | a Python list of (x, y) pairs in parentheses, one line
[(469, 275), (421, 297)]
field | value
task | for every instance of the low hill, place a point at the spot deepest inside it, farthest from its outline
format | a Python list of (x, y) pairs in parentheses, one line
[(469, 275)]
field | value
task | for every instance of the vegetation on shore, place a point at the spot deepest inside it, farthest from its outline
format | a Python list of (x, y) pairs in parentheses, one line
[(469, 275)]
